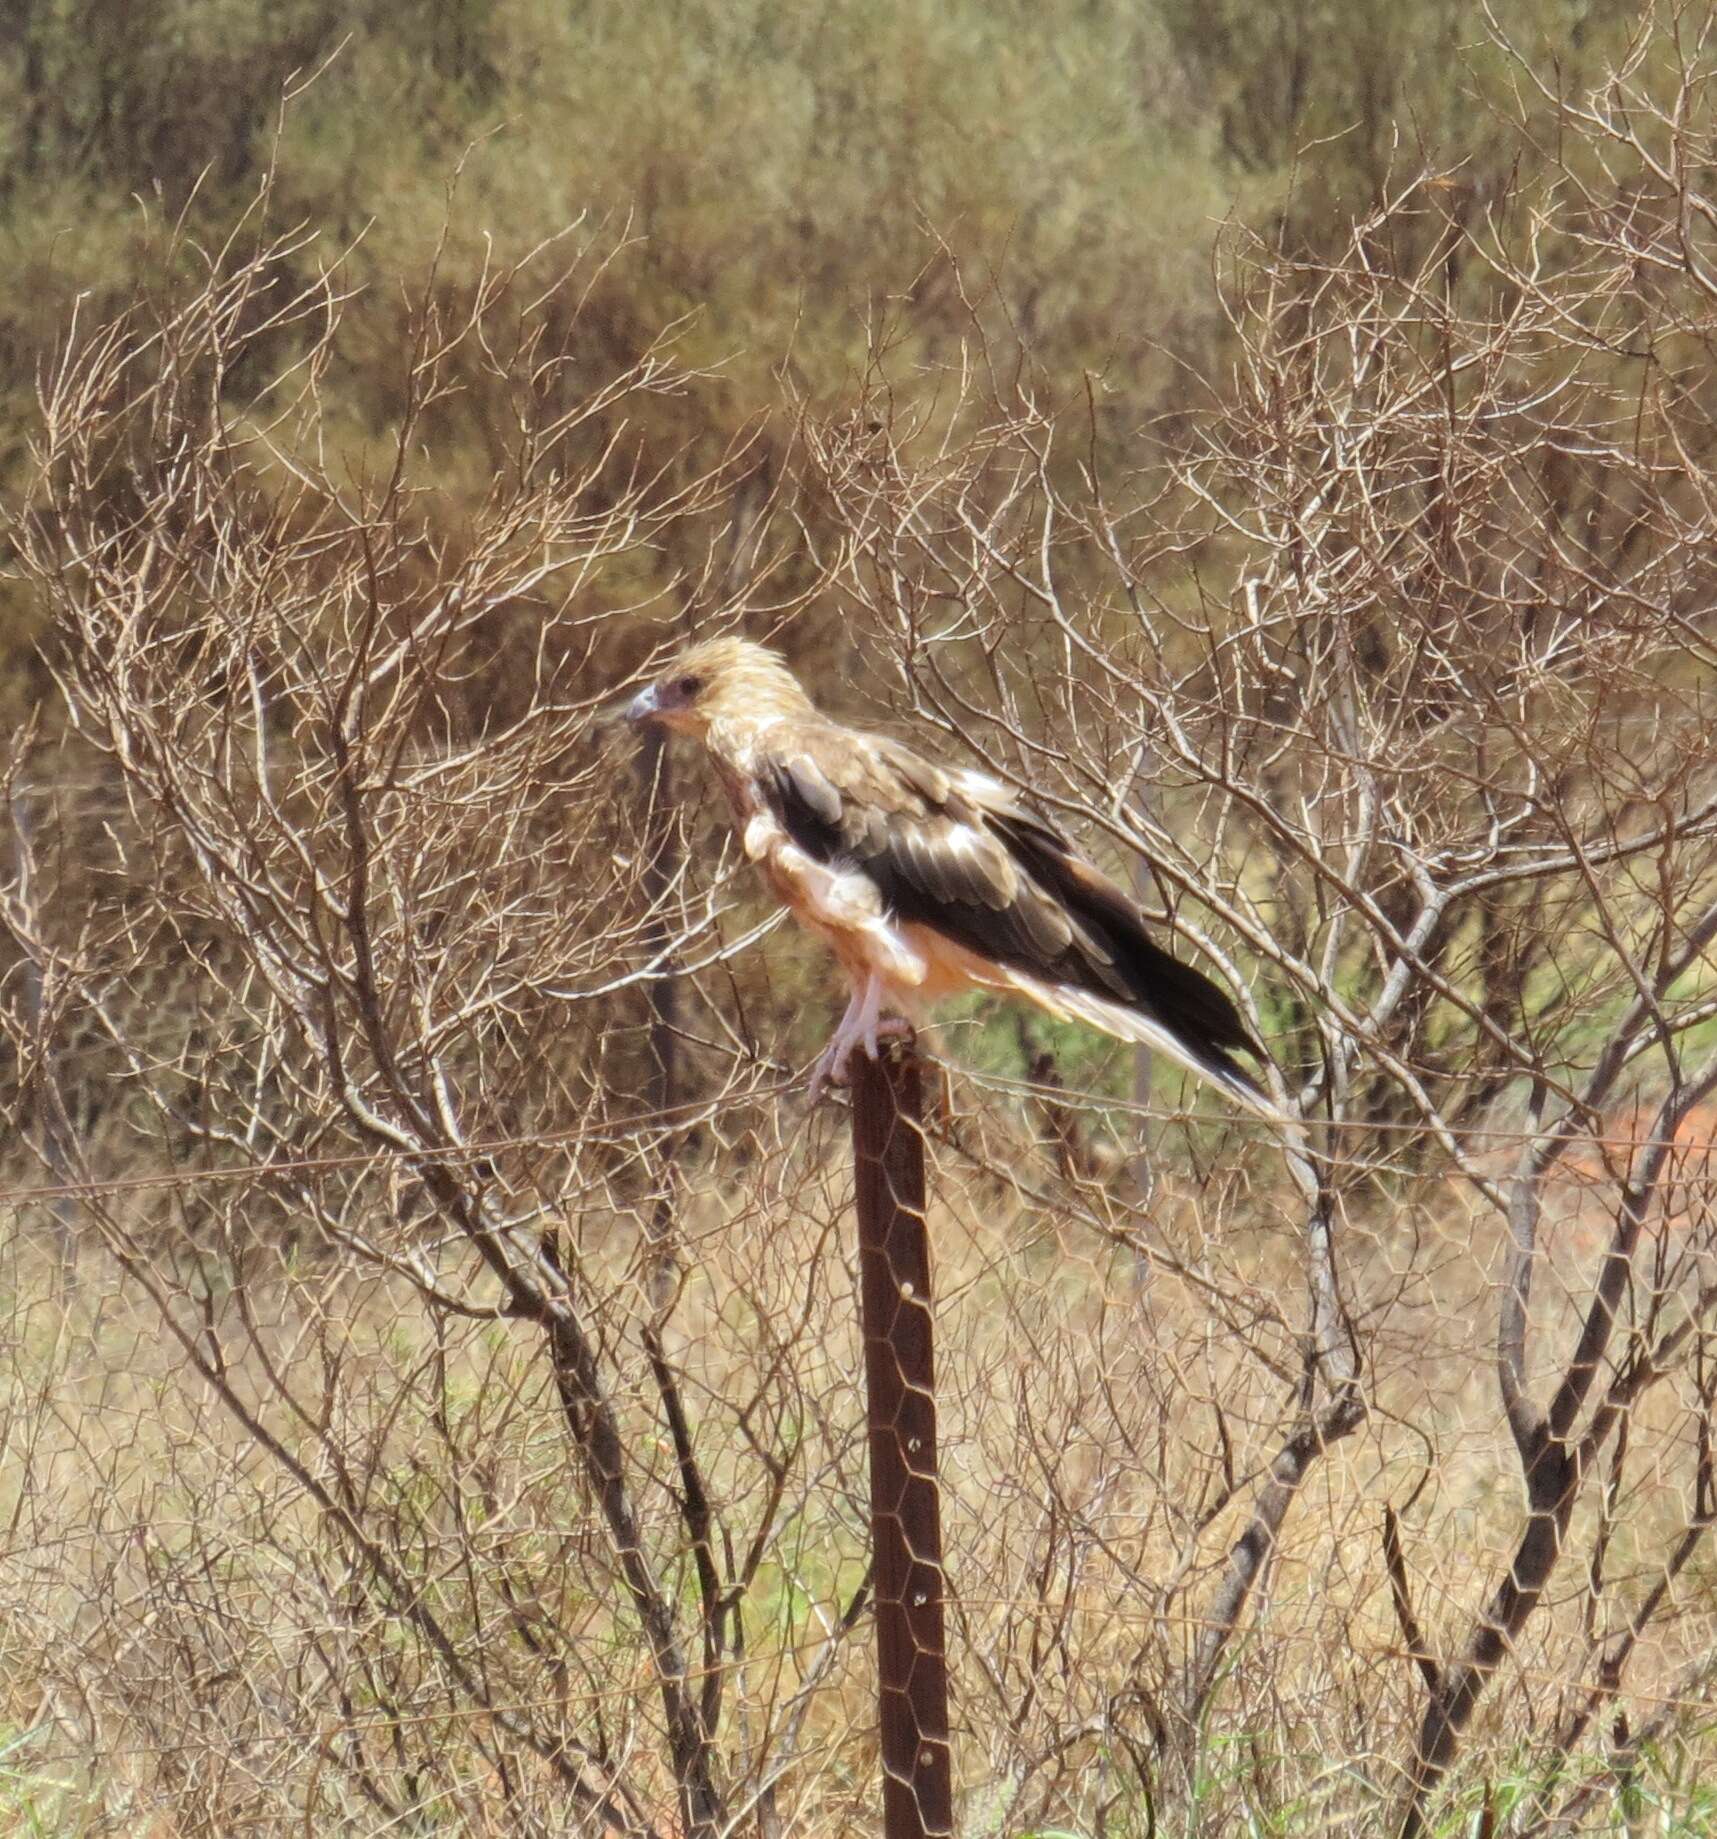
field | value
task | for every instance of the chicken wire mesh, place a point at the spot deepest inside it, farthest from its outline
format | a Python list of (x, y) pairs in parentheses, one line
[(432, 1391)]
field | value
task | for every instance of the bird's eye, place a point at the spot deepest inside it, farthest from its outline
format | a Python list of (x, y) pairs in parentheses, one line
[(688, 687)]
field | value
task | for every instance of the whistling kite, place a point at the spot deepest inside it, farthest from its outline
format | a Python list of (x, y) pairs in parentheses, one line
[(926, 880)]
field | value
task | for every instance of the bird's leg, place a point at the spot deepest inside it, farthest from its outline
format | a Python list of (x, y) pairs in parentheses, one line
[(863, 1023), (831, 1063), (878, 1026)]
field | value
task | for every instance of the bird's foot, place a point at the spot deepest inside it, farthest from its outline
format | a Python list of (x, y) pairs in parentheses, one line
[(829, 1068), (886, 1028), (862, 1025)]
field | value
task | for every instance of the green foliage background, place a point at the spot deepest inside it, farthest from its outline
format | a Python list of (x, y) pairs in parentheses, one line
[(794, 175)]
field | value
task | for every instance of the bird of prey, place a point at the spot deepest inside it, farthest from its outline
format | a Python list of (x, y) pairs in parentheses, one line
[(925, 880)]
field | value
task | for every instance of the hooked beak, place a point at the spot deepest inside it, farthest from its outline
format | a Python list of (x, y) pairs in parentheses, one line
[(643, 707)]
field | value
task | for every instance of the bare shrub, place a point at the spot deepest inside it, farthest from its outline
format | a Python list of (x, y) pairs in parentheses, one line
[(365, 938), (456, 1413), (1409, 638)]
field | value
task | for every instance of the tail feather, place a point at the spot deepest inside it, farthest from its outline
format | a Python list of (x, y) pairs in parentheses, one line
[(1204, 1057), (1124, 966)]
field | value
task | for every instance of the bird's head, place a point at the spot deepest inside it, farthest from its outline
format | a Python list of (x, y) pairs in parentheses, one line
[(716, 680)]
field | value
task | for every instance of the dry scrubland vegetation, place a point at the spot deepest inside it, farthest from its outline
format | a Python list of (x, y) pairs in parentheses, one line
[(430, 1396)]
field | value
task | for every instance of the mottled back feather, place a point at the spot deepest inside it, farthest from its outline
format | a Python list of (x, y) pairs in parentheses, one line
[(966, 858)]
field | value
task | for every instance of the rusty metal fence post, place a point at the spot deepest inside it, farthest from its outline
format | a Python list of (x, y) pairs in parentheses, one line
[(900, 1374)]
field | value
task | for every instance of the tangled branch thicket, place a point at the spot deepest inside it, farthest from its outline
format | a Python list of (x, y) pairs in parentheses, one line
[(432, 1395)]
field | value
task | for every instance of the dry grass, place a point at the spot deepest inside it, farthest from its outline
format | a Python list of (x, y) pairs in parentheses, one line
[(163, 1585)]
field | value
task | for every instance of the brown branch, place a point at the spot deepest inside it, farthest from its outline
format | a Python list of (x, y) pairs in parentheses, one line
[(1332, 1360), (1555, 1473), (1525, 1420), (1402, 1598)]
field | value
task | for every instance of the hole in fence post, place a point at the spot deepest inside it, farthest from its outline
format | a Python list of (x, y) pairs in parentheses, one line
[(905, 1509)]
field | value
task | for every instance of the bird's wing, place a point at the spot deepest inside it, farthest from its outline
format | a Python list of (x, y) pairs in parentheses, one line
[(959, 853)]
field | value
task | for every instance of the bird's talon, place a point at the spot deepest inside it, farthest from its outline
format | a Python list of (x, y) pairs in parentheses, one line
[(886, 1028), (829, 1069)]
